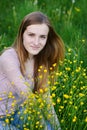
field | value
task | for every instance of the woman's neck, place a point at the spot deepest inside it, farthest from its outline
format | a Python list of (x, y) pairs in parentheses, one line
[(29, 67)]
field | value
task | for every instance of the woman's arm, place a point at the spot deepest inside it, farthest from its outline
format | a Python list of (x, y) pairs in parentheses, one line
[(11, 68)]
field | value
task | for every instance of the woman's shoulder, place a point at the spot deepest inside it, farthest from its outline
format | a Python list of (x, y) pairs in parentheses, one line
[(9, 54), (9, 51)]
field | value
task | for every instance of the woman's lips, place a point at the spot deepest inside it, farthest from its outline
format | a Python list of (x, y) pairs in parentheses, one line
[(35, 47)]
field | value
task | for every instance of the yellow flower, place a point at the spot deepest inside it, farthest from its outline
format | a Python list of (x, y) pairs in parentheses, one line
[(52, 76), (41, 67), (41, 126), (49, 116), (12, 83), (21, 117), (86, 119), (59, 110), (48, 106), (12, 112), (38, 70), (41, 105), (70, 62), (7, 121), (53, 88), (5, 47), (51, 68), (46, 89), (10, 95), (36, 126), (31, 104), (38, 113), (58, 100), (22, 93), (49, 82), (45, 71), (12, 119), (76, 107), (53, 103), (21, 77), (62, 121), (50, 97), (55, 83), (74, 119), (29, 118), (69, 50), (81, 103), (70, 102), (26, 129), (74, 61), (84, 74), (37, 123), (8, 115), (54, 65), (29, 112), (39, 100), (61, 107), (53, 95), (41, 91), (78, 69), (73, 86), (25, 111), (69, 114), (63, 86), (71, 92), (59, 73), (85, 111), (27, 84), (40, 117), (6, 111), (83, 40), (65, 101), (81, 94), (66, 96), (68, 68), (40, 76), (0, 99), (13, 103), (81, 62)]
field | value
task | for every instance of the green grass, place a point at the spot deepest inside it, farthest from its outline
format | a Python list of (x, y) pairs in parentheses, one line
[(72, 92), (70, 21)]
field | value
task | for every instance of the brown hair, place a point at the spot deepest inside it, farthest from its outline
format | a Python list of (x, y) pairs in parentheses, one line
[(52, 53)]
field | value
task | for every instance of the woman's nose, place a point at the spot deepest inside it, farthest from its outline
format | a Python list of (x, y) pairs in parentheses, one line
[(36, 42)]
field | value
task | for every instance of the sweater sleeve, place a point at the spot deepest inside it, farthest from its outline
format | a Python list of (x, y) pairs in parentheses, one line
[(11, 68)]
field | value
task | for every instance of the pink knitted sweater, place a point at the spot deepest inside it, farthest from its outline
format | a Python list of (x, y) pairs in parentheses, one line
[(12, 82)]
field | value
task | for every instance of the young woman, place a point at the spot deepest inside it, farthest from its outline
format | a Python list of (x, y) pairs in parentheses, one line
[(37, 44)]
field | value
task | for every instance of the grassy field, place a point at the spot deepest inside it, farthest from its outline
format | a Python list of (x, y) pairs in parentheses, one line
[(69, 18)]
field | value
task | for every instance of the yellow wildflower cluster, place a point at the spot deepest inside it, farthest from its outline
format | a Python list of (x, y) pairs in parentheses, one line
[(68, 96)]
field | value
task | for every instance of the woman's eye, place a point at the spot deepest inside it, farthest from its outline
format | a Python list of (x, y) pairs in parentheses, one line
[(43, 37), (31, 35)]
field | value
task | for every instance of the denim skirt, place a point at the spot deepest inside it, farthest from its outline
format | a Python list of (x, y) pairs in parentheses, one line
[(17, 122), (7, 127), (12, 127)]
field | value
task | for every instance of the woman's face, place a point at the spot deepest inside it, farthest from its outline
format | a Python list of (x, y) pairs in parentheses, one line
[(35, 37)]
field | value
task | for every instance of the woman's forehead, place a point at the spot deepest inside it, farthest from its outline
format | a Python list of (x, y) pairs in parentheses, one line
[(35, 28)]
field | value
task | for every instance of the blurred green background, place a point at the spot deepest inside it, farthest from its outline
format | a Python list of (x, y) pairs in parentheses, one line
[(69, 18)]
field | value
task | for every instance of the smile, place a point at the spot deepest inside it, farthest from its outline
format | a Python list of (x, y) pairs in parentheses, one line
[(35, 47)]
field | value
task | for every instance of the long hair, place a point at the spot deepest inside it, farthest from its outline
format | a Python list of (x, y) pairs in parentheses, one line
[(52, 53)]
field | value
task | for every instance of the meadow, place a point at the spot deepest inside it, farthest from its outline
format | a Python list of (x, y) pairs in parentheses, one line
[(69, 92)]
